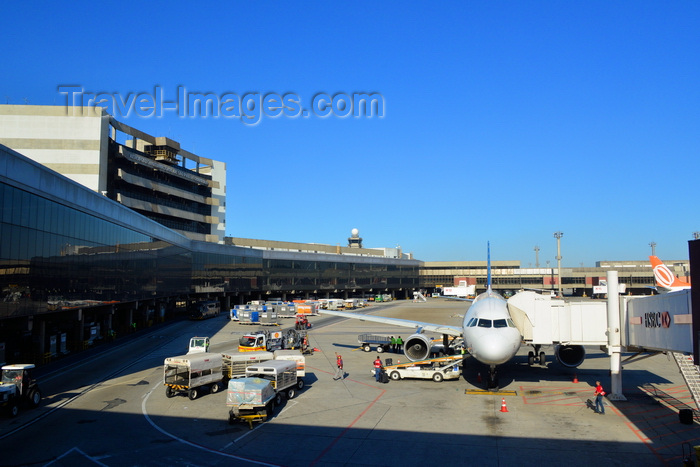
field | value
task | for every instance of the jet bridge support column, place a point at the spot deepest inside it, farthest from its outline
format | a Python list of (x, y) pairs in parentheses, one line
[(614, 338)]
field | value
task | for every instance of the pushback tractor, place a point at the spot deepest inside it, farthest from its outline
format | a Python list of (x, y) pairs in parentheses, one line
[(18, 387)]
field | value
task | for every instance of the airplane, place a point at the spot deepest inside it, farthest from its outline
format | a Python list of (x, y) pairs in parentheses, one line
[(489, 333), (666, 281)]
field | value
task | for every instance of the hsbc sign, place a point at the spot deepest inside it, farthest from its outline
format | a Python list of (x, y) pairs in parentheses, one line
[(657, 319), (660, 322)]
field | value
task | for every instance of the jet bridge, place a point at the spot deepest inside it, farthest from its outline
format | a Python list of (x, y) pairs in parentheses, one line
[(569, 326), (658, 323), (644, 325), (545, 320)]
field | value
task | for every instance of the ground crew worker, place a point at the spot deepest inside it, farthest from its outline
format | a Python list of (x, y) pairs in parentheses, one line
[(393, 344), (377, 368), (599, 393), (399, 344), (339, 372)]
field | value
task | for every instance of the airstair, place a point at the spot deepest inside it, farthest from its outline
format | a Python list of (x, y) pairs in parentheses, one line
[(418, 296), (690, 373)]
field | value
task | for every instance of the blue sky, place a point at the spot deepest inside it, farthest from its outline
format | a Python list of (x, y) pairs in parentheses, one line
[(503, 121)]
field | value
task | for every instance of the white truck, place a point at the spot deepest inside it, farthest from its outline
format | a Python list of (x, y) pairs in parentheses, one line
[(274, 340), (18, 387), (189, 373), (235, 363), (197, 345), (254, 397), (294, 356), (281, 373), (437, 369), (250, 400)]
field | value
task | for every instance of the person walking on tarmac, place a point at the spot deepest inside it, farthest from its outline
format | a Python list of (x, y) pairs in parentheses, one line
[(339, 372), (392, 346), (377, 368), (599, 393)]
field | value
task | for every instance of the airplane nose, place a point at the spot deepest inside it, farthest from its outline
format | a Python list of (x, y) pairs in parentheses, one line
[(494, 351)]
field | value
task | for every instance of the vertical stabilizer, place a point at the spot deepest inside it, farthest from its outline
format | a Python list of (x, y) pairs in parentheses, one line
[(664, 276), (488, 266)]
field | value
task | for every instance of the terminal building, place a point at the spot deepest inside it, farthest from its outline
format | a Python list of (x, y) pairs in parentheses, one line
[(151, 175), (508, 277), (77, 266), (108, 230)]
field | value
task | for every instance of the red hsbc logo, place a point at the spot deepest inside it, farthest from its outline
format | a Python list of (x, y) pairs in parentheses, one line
[(665, 319)]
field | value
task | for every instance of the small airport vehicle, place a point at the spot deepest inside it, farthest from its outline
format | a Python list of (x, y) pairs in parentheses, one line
[(270, 341), (198, 344), (250, 400), (235, 363), (254, 397), (367, 341), (189, 373), (205, 309), (437, 369), (18, 387), (294, 356), (302, 322), (282, 373)]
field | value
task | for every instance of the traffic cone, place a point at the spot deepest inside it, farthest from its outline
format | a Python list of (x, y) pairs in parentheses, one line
[(575, 378), (503, 406), (316, 350), (478, 377)]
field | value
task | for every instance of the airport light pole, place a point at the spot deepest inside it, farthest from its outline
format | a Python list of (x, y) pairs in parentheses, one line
[(696, 235), (537, 256), (653, 248), (558, 236)]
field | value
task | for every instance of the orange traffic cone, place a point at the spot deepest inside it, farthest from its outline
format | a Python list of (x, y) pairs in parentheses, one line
[(503, 406), (575, 378), (316, 350)]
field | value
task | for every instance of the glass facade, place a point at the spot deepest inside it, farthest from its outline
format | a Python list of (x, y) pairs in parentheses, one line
[(317, 276), (76, 267)]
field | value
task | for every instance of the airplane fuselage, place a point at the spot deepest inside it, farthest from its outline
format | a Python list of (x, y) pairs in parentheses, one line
[(489, 333)]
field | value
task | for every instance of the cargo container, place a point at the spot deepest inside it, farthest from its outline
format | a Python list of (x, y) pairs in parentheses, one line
[(189, 373), (235, 363)]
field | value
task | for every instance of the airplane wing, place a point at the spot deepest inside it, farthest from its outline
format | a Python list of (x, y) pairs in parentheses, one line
[(440, 328), (457, 298)]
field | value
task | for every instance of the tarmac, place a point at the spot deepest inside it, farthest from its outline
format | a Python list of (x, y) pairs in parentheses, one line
[(542, 415)]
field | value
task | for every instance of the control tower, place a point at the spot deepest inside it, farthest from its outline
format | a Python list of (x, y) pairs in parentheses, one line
[(355, 241)]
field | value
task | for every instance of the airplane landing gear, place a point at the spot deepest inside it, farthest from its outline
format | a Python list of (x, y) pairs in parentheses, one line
[(538, 356), (492, 381)]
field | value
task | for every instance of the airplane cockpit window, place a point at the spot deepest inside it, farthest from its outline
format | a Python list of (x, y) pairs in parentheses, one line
[(472, 322), (500, 323), (484, 323), (511, 323)]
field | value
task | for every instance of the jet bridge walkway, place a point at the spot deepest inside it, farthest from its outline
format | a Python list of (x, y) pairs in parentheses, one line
[(641, 324)]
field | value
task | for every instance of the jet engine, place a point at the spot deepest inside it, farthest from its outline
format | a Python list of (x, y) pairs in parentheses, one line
[(417, 347), (570, 355)]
